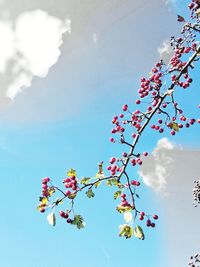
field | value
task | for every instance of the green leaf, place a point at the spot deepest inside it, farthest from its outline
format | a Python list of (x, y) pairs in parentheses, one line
[(126, 231), (90, 193), (117, 194), (115, 182), (78, 221), (97, 184), (174, 126), (85, 180), (138, 232), (71, 172), (109, 183), (122, 209), (72, 196)]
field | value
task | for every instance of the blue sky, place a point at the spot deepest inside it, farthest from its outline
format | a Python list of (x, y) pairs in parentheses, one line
[(64, 121)]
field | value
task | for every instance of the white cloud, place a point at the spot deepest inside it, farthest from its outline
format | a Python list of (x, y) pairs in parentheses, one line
[(157, 167), (116, 51), (32, 43), (6, 45), (22, 80), (38, 37), (165, 51), (166, 161), (171, 170)]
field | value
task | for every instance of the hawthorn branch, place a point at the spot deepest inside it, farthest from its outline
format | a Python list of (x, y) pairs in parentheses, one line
[(168, 92)]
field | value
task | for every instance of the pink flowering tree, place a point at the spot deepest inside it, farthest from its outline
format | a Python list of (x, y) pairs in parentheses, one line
[(158, 109)]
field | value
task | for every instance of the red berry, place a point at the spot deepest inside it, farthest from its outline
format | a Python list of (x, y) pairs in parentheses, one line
[(125, 107), (112, 160), (141, 218), (62, 214), (148, 223), (124, 154), (155, 217), (133, 135)]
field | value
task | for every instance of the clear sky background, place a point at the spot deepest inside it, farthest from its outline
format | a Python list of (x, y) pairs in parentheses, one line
[(58, 95)]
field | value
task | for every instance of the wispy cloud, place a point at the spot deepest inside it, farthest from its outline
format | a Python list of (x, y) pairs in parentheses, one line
[(106, 253), (31, 45), (167, 2)]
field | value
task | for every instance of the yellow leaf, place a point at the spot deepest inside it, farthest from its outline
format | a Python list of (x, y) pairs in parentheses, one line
[(51, 191), (122, 209), (44, 200), (71, 172)]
